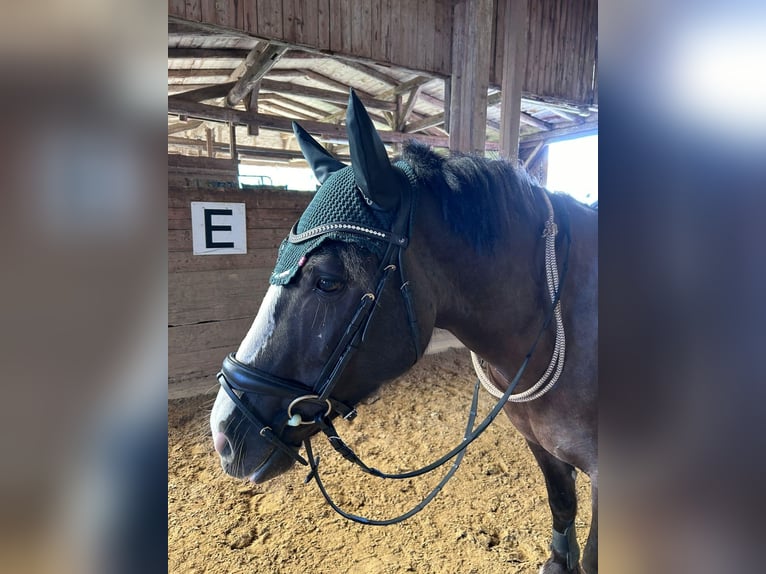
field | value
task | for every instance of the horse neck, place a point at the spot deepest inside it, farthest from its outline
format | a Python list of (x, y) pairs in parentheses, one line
[(492, 302)]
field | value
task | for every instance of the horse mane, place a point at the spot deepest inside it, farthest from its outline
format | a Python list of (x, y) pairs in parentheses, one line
[(480, 198)]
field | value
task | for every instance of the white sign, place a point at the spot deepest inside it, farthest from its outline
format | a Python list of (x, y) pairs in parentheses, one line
[(218, 228)]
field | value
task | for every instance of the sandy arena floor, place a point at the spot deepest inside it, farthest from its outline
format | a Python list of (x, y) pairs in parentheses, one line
[(491, 517)]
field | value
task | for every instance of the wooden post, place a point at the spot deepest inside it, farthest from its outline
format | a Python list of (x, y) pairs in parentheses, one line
[(447, 102), (251, 105), (209, 139), (471, 51), (232, 142), (514, 70)]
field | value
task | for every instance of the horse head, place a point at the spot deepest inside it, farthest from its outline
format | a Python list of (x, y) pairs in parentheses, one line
[(339, 317)]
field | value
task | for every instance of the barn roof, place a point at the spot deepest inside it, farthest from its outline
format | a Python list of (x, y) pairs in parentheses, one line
[(207, 64)]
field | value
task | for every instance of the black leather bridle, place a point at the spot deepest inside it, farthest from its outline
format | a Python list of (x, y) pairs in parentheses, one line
[(235, 376)]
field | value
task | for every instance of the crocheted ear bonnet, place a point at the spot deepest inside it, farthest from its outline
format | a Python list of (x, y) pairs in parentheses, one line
[(338, 201)]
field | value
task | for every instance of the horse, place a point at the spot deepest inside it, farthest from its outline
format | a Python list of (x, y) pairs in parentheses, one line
[(384, 253)]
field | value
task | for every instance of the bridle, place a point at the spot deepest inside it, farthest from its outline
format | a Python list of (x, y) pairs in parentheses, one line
[(237, 377)]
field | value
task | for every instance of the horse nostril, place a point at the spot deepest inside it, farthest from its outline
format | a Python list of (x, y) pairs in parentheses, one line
[(222, 444)]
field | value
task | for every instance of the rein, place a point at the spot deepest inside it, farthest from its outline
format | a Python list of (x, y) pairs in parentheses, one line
[(236, 377)]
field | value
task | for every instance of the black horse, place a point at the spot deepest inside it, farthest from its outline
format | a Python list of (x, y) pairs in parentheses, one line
[(383, 254)]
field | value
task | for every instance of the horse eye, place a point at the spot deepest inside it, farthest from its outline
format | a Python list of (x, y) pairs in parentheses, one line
[(328, 285)]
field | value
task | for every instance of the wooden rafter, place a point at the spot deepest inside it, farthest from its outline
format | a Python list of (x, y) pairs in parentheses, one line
[(531, 120), (534, 154), (416, 82), (308, 53), (404, 87), (251, 105), (178, 127), (254, 71), (438, 119), (248, 61), (206, 53), (408, 107), (557, 134), (285, 110), (206, 73), (327, 95), (265, 121), (370, 71), (206, 93), (300, 106), (245, 150), (315, 76), (425, 123)]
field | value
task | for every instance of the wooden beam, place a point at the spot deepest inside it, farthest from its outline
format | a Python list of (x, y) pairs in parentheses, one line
[(514, 70), (327, 95), (251, 105), (404, 87), (531, 120), (425, 123), (416, 82), (254, 72), (209, 141), (219, 114), (447, 101), (562, 114), (370, 71), (560, 134), (284, 110), (206, 93), (248, 151), (315, 76), (533, 155), (206, 53), (300, 106), (568, 110), (233, 142), (471, 50), (309, 53), (206, 73), (183, 126), (408, 107), (251, 57), (438, 119)]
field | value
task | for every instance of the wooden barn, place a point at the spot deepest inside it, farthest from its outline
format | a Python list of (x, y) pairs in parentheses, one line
[(502, 77)]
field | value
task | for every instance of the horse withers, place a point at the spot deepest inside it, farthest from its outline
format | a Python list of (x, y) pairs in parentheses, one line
[(382, 255)]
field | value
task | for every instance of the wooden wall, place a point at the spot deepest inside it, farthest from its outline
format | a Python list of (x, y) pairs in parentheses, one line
[(561, 49), (213, 299), (416, 35)]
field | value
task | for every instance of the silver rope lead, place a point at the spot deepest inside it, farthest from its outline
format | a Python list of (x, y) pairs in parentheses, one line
[(553, 372)]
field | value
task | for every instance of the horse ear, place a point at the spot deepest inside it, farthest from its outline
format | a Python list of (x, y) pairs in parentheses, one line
[(372, 170), (322, 163)]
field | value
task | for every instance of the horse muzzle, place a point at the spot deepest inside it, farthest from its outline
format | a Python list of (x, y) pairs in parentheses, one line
[(248, 459)]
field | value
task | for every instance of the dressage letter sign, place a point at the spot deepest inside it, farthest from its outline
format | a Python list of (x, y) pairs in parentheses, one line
[(218, 228)]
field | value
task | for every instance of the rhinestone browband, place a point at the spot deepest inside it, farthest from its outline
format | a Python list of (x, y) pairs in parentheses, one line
[(345, 227)]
